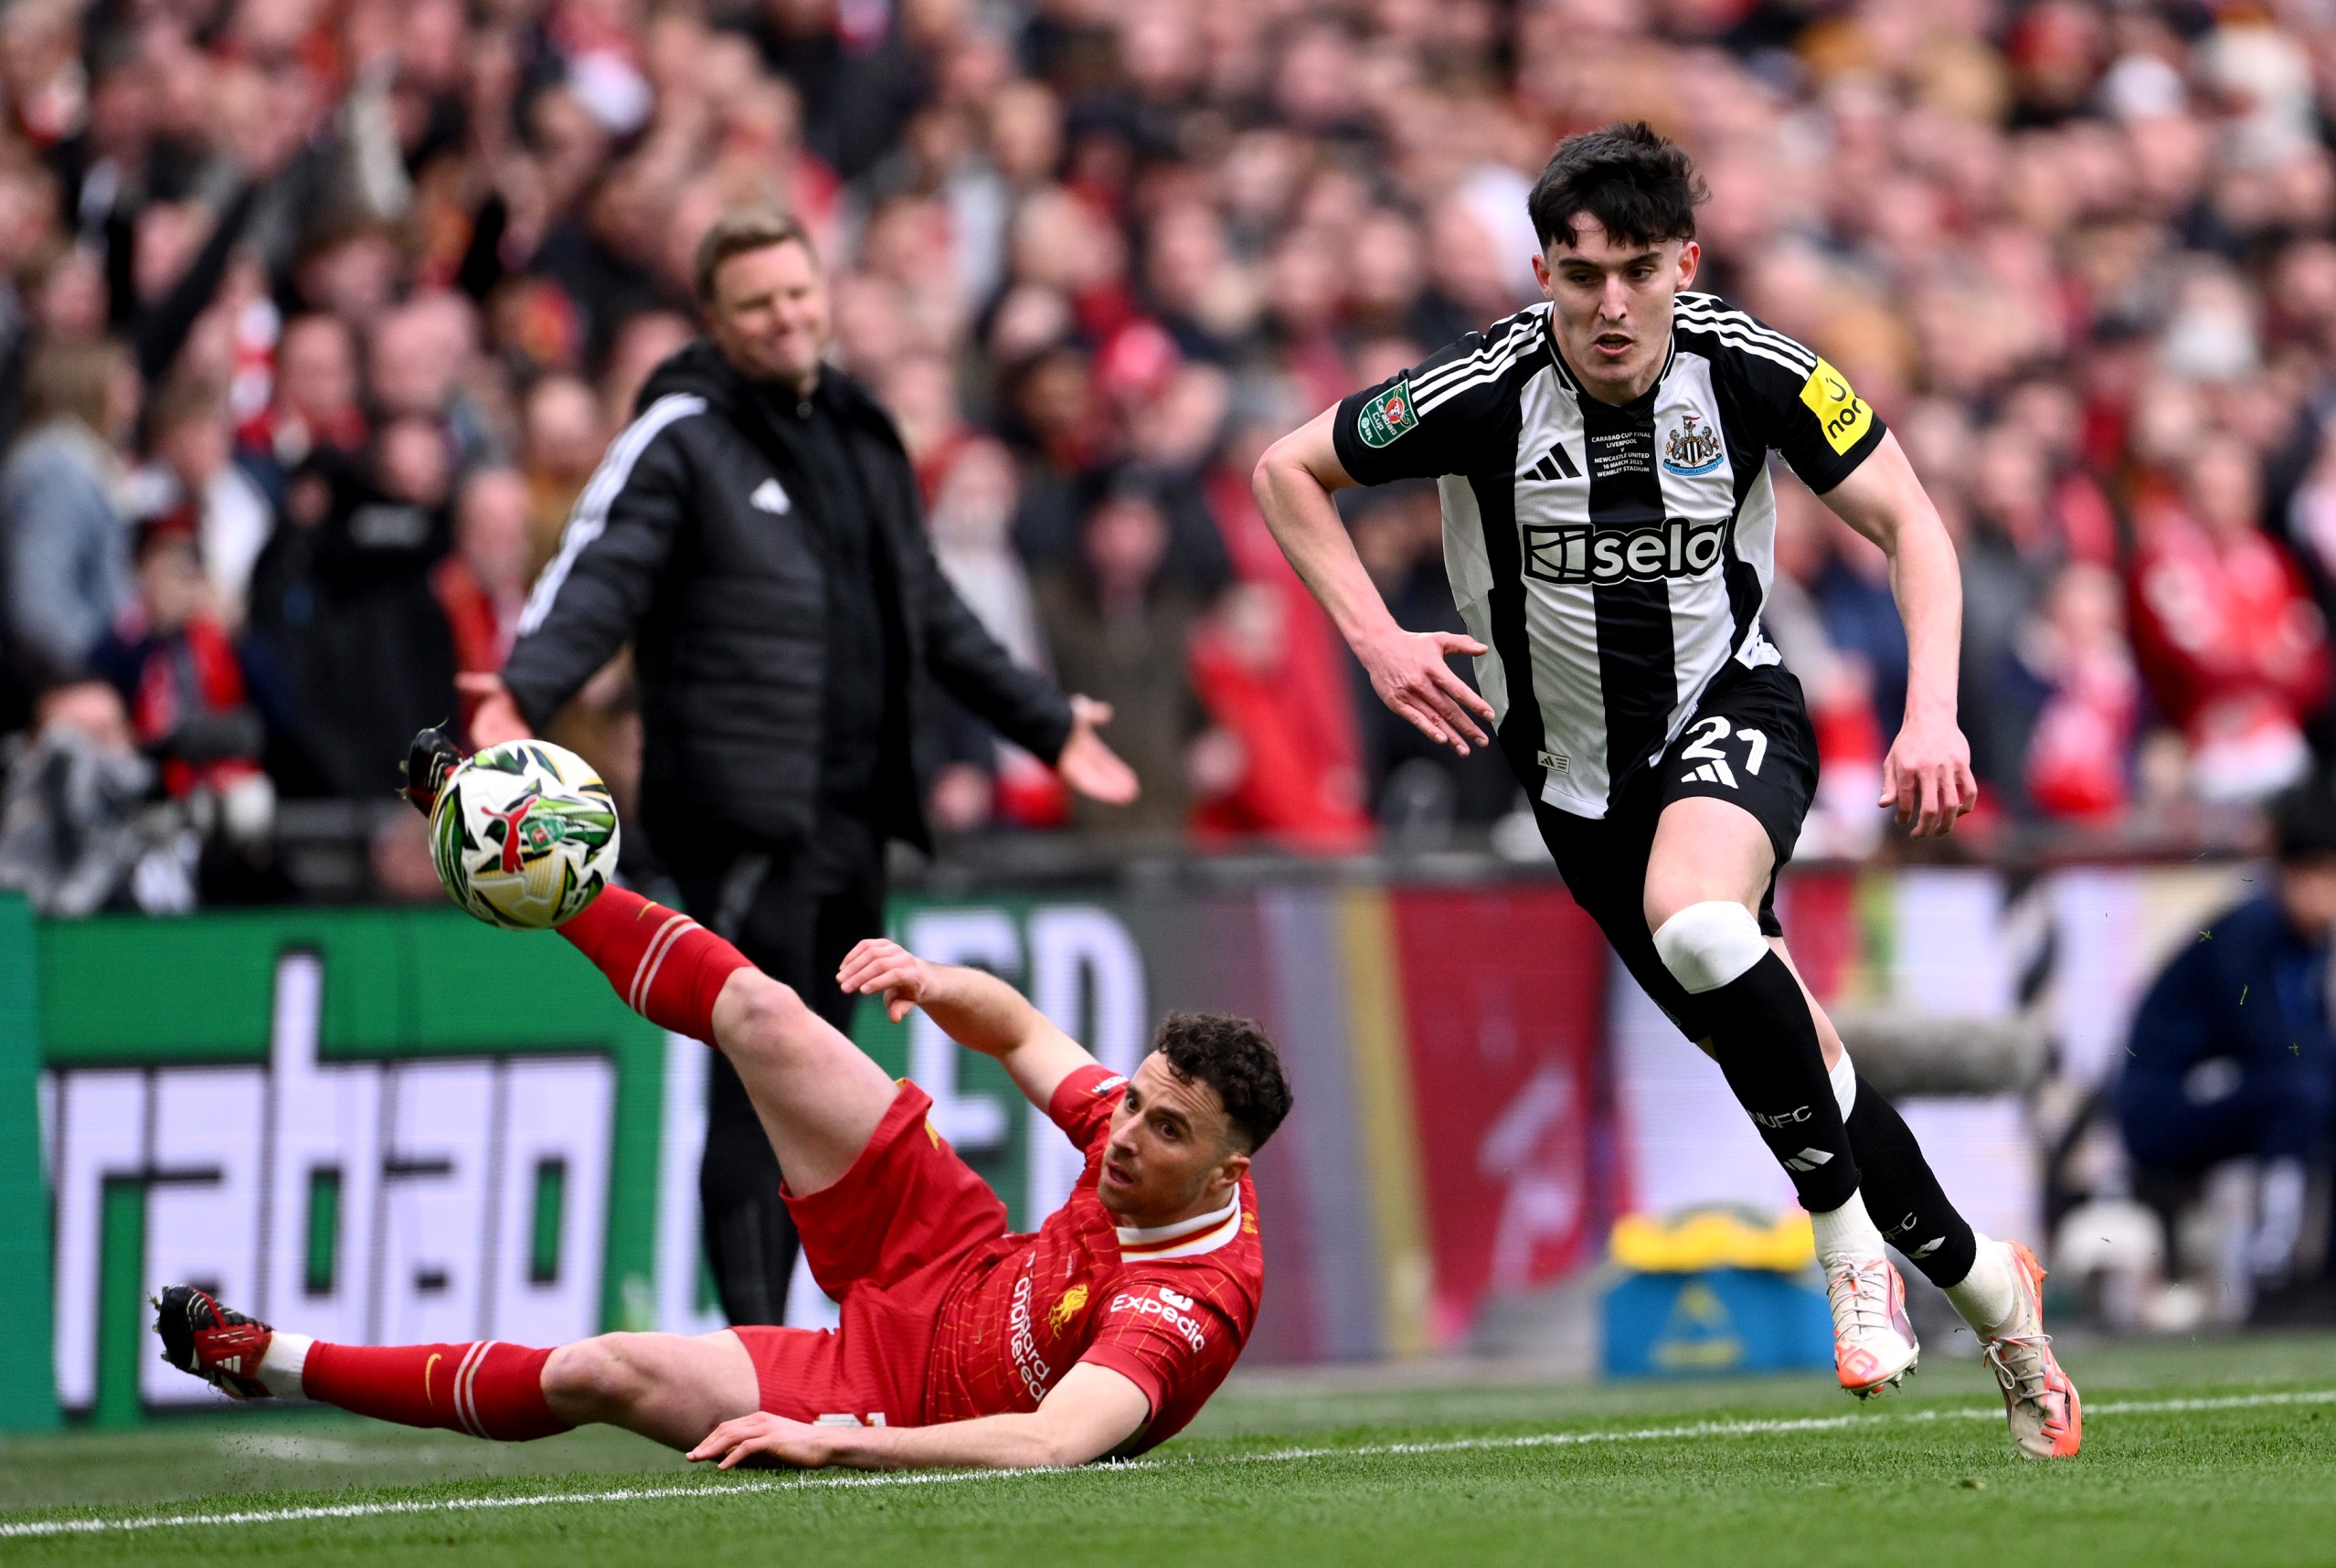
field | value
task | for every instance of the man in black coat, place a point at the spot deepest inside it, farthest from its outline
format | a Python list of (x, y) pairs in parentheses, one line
[(755, 533)]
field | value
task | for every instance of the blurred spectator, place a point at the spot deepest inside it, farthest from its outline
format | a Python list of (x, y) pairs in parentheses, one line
[(178, 675), (75, 832), (193, 476), (971, 524), (61, 493), (562, 431), (1415, 788), (2233, 1058), (356, 649), (2229, 637), (483, 584), (1260, 771), (1118, 629), (314, 403), (2079, 748)]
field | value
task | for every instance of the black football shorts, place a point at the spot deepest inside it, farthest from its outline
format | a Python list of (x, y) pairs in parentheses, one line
[(1750, 744)]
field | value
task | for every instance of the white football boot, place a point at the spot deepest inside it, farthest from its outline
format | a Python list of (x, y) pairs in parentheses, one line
[(2046, 1418), (1874, 1341)]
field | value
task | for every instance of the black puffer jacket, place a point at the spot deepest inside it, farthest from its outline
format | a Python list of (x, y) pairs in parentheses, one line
[(681, 543)]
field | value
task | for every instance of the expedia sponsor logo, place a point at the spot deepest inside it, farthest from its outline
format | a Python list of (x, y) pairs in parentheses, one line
[(1111, 1084), (1163, 1306), (1577, 552), (1692, 448)]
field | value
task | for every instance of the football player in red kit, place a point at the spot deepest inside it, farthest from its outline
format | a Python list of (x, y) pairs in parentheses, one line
[(961, 1343)]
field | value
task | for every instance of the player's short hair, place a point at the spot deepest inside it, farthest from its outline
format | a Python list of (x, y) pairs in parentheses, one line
[(2303, 822), (740, 230), (1233, 1056), (1639, 184)]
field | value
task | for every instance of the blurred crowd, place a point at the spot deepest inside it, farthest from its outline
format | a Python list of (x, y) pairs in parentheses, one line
[(317, 315)]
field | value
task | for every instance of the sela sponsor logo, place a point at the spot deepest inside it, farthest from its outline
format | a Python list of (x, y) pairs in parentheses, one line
[(1169, 1308), (1782, 1118), (1692, 448), (1388, 415), (1578, 553), (1614, 453)]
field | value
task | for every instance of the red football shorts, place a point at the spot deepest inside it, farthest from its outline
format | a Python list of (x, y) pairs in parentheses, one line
[(889, 1241)]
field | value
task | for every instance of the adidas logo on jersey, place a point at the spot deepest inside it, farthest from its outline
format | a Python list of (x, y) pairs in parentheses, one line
[(1579, 552), (1554, 464)]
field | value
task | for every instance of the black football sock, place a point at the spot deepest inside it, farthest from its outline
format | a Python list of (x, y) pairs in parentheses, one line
[(1767, 1044), (1909, 1205)]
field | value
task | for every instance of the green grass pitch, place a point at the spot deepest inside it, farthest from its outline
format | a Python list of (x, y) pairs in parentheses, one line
[(2220, 1452)]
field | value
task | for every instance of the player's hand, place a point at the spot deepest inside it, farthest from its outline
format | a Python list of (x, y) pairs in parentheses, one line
[(1927, 777), (496, 719), (1408, 672), (1088, 766), (879, 964), (763, 1438)]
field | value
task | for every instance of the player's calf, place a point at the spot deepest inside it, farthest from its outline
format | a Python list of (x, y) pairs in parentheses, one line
[(668, 968)]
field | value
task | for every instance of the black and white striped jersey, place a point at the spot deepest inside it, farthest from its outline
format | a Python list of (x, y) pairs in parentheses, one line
[(1613, 559)]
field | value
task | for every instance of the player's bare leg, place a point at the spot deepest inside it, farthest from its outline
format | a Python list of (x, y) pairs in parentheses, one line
[(1706, 874), (818, 1095), (670, 1388)]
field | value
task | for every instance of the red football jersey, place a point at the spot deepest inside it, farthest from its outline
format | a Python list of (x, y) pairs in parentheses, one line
[(1168, 1309)]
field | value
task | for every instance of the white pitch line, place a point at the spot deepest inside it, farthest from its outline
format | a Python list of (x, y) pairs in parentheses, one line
[(1687, 1433)]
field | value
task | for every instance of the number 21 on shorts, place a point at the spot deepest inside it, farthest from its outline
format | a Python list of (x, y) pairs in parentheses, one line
[(1711, 764)]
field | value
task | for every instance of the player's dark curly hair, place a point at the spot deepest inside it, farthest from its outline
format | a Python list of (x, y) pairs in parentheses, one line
[(1233, 1056), (1639, 184)]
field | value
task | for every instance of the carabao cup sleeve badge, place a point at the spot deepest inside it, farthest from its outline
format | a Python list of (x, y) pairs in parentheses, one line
[(1386, 416)]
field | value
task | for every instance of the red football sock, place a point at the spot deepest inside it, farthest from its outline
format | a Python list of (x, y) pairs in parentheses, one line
[(487, 1388), (667, 967)]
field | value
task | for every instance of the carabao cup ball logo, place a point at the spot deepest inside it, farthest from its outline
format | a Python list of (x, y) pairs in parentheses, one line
[(524, 835)]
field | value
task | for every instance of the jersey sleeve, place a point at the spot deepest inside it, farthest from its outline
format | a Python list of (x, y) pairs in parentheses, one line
[(1435, 418), (1176, 1348), (1804, 409), (1083, 1103)]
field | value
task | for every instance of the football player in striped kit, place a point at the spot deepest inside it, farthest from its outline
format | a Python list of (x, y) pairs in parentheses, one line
[(1609, 529)]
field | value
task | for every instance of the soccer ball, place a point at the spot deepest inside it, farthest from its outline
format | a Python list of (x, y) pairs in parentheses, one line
[(524, 835)]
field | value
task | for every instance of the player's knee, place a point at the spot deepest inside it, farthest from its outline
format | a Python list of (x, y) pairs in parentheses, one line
[(1705, 946), (765, 1015), (596, 1374)]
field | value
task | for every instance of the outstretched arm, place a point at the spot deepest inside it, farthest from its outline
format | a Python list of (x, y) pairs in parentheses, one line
[(1927, 774), (978, 1010), (1293, 484), (1090, 1413)]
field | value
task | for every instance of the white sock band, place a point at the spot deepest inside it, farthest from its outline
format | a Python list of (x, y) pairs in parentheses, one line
[(1706, 946), (1846, 1231), (286, 1358), (1844, 1077), (1985, 1296)]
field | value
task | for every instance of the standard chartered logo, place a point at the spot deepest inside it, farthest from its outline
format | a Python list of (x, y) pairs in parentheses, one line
[(382, 1202)]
